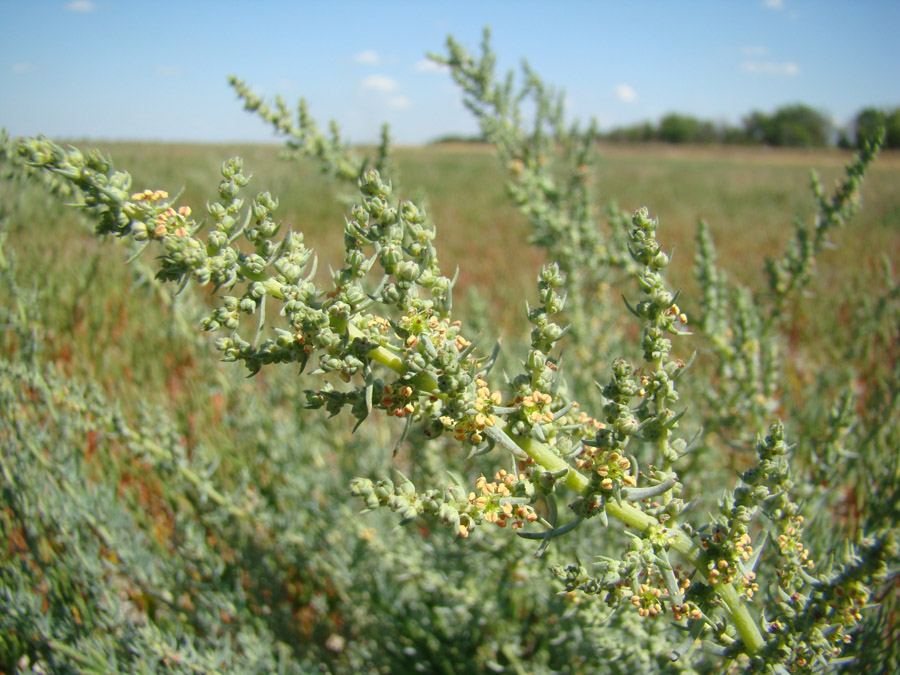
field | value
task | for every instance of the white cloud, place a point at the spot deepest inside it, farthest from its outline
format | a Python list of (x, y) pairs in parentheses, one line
[(771, 67), (399, 102), (429, 66), (369, 57), (22, 67), (81, 6), (754, 50), (625, 93), (773, 4), (380, 83)]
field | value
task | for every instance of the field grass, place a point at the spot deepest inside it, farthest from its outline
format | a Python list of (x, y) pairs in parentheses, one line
[(746, 195)]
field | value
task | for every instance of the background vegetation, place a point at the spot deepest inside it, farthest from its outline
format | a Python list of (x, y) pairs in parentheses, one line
[(796, 125)]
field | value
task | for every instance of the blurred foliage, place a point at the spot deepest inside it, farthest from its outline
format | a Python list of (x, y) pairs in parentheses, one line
[(797, 125), (869, 121)]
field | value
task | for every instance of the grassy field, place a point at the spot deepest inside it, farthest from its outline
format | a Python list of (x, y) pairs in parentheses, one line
[(746, 195)]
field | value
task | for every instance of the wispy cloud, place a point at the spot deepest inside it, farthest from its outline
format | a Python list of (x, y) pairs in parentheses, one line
[(81, 6), (773, 4), (369, 57), (625, 93), (754, 50), (22, 67), (380, 83), (771, 68), (429, 66), (386, 90), (399, 102)]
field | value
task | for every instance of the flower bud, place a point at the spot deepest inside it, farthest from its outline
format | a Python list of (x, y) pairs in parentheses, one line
[(407, 271), (659, 261), (361, 486), (376, 207), (390, 255), (227, 189), (411, 213), (202, 275), (356, 259), (551, 274), (360, 215), (256, 290), (626, 424), (255, 264), (139, 232), (384, 489), (216, 210), (390, 294), (370, 184)]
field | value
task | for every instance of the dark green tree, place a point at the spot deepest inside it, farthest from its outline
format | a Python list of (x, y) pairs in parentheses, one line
[(892, 129), (756, 128), (867, 123), (799, 125), (675, 128), (795, 125)]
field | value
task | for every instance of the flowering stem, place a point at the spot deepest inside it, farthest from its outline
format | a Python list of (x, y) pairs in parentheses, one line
[(625, 512), (633, 517)]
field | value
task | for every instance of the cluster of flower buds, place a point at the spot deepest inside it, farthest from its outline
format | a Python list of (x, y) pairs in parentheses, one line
[(505, 501)]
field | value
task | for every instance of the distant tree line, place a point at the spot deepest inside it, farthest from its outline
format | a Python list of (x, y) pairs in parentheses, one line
[(792, 125), (459, 138)]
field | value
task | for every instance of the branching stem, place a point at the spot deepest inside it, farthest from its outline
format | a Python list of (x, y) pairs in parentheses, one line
[(627, 513)]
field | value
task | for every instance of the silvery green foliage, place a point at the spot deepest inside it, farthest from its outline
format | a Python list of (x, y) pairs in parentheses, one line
[(548, 164), (304, 138), (751, 585), (742, 327), (240, 561), (419, 608)]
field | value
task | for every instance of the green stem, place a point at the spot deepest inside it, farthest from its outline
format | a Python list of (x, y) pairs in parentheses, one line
[(579, 483), (625, 512), (638, 520), (663, 441)]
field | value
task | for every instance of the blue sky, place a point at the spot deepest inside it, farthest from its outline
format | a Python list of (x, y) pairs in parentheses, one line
[(111, 69)]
